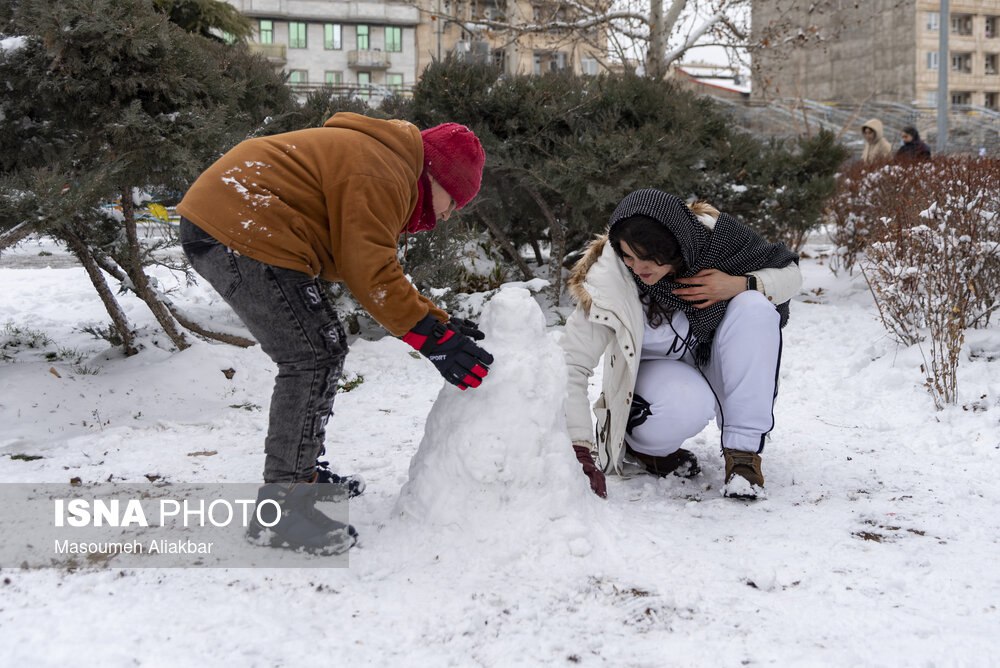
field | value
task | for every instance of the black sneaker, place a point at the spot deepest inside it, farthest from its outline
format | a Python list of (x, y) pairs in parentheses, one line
[(301, 526), (681, 463), (333, 487)]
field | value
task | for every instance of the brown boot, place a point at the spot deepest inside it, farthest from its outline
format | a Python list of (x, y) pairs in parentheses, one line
[(742, 468), (681, 463)]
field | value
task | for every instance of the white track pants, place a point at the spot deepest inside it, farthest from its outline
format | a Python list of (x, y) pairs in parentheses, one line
[(737, 386)]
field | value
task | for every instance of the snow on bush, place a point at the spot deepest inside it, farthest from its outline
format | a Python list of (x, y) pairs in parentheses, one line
[(927, 237)]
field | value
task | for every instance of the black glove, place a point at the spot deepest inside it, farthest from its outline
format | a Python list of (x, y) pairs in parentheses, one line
[(468, 327), (597, 481), (456, 357)]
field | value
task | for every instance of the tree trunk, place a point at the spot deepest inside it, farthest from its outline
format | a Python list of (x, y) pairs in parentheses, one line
[(133, 267), (657, 48), (507, 246), (118, 318), (539, 260), (231, 339), (109, 266), (558, 257), (558, 234), (15, 234)]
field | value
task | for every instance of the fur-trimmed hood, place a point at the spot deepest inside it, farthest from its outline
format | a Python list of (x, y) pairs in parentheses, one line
[(577, 276)]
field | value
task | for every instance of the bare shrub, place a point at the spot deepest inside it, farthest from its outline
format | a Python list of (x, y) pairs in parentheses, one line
[(927, 237)]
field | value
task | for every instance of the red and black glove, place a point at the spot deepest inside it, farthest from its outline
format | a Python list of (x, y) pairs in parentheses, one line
[(596, 475), (467, 327), (456, 357)]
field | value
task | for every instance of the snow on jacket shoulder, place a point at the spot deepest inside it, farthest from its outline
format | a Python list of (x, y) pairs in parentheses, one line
[(328, 202)]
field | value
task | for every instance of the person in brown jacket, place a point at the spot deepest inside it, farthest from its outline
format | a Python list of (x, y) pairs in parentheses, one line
[(274, 220)]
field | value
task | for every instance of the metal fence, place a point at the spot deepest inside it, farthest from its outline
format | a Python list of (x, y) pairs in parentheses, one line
[(971, 130)]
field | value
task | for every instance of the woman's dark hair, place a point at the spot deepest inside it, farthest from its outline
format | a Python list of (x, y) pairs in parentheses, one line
[(650, 240)]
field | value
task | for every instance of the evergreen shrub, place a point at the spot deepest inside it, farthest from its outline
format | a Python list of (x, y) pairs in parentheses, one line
[(562, 151)]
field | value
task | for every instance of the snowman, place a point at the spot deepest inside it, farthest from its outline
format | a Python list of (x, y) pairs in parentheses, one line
[(501, 451)]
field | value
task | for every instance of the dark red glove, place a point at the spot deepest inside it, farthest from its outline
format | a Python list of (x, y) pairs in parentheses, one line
[(596, 475), (457, 358)]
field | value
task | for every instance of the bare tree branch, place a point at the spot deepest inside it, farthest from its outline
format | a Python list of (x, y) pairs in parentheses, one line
[(622, 31)]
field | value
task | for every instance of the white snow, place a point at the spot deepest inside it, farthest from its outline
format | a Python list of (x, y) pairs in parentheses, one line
[(876, 544), (13, 43)]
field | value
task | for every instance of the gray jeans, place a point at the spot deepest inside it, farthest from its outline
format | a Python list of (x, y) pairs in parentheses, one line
[(292, 319)]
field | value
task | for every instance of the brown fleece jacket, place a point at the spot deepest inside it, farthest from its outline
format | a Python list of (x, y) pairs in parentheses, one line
[(328, 202)]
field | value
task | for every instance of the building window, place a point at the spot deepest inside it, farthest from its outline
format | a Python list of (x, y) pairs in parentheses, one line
[(494, 13), (332, 36), (265, 31), (930, 98), (549, 61), (364, 85), (992, 62), (961, 97), (362, 44), (933, 21), (991, 101), (394, 82), (961, 63), (331, 78), (991, 27), (297, 35), (298, 77), (393, 39), (932, 60), (961, 24), (588, 66)]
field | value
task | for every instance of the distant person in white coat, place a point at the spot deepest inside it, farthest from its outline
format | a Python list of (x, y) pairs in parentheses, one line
[(877, 147)]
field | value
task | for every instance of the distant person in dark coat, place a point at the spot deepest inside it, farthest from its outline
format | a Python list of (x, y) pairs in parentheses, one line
[(913, 148)]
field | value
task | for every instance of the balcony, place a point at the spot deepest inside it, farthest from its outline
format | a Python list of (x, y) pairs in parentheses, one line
[(366, 59), (275, 53), (476, 51)]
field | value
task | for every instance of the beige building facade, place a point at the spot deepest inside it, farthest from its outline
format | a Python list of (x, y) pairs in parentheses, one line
[(452, 28), (878, 51), (376, 48)]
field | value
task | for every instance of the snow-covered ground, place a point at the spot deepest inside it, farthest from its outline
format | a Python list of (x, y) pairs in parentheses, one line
[(876, 545)]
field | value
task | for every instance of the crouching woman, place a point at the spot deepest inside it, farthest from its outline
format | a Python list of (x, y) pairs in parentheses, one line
[(686, 304)]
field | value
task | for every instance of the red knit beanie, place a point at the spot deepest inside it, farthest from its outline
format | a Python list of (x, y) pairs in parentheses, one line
[(454, 157)]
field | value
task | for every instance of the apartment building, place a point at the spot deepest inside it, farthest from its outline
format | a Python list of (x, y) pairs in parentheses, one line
[(366, 47), (374, 48), (974, 53), (878, 51)]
